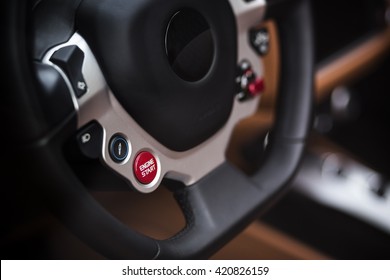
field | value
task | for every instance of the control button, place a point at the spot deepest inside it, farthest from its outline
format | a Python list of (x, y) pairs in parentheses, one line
[(248, 85), (259, 39), (70, 60), (90, 139), (256, 87), (118, 148), (145, 167)]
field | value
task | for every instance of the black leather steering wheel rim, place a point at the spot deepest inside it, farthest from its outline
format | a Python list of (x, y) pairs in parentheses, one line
[(47, 169)]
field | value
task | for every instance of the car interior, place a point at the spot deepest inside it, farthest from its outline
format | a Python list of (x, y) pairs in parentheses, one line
[(194, 129)]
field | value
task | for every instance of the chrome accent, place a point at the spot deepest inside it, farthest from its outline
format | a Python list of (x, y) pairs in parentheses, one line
[(248, 14), (100, 104)]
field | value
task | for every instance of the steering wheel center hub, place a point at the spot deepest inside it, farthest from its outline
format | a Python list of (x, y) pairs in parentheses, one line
[(172, 66), (189, 45)]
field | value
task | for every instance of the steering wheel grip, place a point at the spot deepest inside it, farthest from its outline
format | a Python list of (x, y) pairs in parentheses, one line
[(221, 204)]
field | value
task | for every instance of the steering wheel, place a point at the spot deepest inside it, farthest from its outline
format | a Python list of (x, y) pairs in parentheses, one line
[(153, 89)]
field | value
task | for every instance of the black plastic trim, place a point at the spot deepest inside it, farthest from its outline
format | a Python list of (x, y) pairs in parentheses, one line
[(70, 59)]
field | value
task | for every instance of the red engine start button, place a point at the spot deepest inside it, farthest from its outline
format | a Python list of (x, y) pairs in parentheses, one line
[(145, 167)]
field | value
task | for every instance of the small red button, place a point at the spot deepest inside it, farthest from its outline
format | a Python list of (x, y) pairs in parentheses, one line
[(145, 167), (256, 87)]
